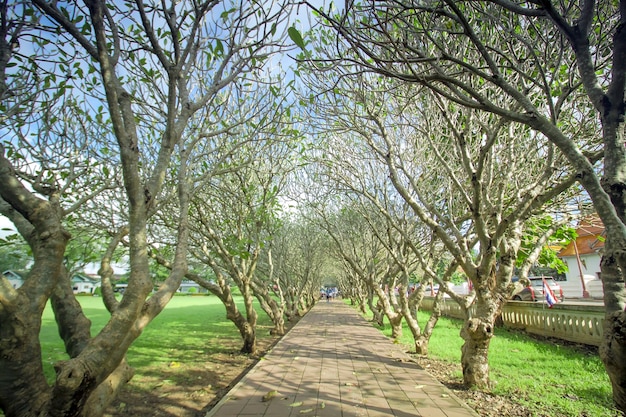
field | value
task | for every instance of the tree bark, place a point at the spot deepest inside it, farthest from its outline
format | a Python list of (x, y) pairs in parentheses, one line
[(248, 330), (613, 348), (108, 390), (613, 355), (274, 311), (477, 334)]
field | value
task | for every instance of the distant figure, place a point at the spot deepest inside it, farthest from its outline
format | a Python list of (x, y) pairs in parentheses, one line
[(328, 295)]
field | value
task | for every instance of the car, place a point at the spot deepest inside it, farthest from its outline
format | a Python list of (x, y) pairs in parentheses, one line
[(534, 291)]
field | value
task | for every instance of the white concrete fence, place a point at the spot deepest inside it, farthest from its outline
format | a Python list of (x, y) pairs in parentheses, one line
[(575, 323)]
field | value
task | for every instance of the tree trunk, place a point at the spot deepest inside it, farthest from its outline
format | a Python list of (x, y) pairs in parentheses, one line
[(613, 355), (388, 309), (422, 338), (377, 311), (378, 317), (273, 310), (421, 345), (477, 334), (108, 390), (23, 390), (249, 334), (279, 327), (613, 348), (396, 326)]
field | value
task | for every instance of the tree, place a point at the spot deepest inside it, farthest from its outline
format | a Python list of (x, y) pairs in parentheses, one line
[(407, 243), (474, 178), (300, 263), (235, 214), (557, 68), (142, 71), (13, 253)]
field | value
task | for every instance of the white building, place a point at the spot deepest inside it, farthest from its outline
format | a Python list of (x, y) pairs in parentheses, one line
[(583, 260), (14, 278), (84, 284), (191, 287)]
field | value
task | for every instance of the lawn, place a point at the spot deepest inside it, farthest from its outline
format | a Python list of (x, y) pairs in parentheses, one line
[(188, 355), (185, 358), (188, 325), (550, 378)]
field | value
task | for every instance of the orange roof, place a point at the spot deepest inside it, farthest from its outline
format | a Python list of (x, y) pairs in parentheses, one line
[(590, 237), (591, 225)]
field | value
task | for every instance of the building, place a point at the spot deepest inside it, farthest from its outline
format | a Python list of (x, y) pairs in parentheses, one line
[(15, 278), (84, 284), (191, 287), (582, 258)]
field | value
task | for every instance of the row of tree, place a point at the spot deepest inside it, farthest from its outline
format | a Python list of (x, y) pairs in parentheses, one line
[(485, 119), (446, 139), (166, 131)]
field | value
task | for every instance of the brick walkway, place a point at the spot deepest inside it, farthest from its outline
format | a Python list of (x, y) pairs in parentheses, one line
[(334, 363)]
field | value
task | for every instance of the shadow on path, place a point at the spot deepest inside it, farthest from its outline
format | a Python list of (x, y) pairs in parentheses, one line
[(334, 363)]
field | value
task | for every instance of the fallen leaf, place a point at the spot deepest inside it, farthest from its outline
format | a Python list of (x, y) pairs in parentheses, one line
[(270, 395), (419, 386), (308, 410), (298, 404)]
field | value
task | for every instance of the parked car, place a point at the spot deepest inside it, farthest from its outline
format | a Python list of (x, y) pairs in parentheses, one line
[(534, 291)]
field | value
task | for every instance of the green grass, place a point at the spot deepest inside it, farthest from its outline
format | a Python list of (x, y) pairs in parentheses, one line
[(550, 379), (187, 330)]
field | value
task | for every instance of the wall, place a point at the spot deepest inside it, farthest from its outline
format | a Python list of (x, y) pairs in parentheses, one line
[(580, 324)]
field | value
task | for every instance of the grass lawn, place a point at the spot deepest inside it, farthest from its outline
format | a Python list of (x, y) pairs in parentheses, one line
[(188, 354), (187, 326), (549, 378), (184, 358)]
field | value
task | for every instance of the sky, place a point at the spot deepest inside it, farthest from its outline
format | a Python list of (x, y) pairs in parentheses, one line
[(302, 18)]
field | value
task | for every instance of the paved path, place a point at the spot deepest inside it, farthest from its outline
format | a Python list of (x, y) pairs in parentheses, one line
[(334, 363)]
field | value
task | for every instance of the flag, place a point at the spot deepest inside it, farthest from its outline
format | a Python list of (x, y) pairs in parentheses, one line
[(549, 294)]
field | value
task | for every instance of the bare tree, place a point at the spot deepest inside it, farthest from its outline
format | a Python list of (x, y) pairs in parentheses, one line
[(300, 259), (145, 69), (552, 66), (472, 177), (234, 216), (407, 242)]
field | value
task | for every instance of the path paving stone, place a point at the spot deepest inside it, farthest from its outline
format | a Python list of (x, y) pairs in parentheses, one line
[(333, 363)]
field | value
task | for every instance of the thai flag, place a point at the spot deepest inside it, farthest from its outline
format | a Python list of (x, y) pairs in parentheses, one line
[(550, 297)]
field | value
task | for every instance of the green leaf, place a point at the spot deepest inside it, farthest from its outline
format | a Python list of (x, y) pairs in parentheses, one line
[(296, 37)]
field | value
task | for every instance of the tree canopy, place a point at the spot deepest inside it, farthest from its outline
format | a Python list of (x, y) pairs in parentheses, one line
[(410, 143)]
